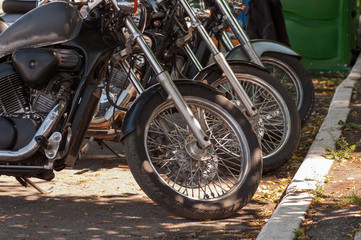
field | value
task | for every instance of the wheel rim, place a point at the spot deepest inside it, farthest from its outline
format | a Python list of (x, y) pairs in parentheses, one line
[(221, 170), (273, 123), (287, 77)]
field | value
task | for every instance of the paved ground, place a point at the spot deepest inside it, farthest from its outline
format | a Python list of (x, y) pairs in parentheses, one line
[(311, 174), (98, 199)]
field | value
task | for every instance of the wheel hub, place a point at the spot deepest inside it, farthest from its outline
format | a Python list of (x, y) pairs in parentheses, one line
[(196, 152)]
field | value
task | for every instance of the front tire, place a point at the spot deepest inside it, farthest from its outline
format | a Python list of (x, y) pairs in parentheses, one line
[(290, 72), (214, 186), (278, 124)]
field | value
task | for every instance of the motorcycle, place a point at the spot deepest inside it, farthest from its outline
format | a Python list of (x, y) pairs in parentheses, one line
[(281, 61), (173, 36), (187, 146), (277, 119)]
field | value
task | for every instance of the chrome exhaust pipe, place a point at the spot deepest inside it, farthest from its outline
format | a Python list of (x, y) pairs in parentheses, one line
[(44, 130)]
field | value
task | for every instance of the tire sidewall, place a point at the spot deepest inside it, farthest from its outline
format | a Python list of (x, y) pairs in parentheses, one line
[(271, 163), (161, 193), (304, 81)]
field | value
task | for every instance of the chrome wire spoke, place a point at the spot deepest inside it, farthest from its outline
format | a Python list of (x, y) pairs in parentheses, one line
[(277, 124), (285, 75), (272, 123), (159, 130), (268, 146), (216, 129), (211, 176), (169, 117)]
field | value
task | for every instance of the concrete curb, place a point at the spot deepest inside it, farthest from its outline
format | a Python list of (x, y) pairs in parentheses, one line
[(311, 174)]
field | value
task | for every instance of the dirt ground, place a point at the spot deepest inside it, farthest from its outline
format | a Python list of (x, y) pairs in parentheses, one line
[(99, 199), (336, 211)]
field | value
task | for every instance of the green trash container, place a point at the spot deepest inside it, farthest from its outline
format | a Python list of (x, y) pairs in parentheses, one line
[(323, 32)]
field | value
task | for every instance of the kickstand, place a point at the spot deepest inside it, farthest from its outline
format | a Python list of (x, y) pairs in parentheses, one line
[(85, 149), (25, 181), (112, 150)]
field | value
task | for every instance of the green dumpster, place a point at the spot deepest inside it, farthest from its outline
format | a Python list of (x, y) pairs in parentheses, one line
[(323, 32)]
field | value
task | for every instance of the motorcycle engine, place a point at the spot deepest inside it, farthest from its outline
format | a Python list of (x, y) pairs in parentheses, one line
[(30, 86)]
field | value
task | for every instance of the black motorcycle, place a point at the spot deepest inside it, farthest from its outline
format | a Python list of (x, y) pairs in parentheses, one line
[(181, 43), (189, 148)]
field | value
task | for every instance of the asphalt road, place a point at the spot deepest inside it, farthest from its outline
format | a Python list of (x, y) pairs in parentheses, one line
[(99, 199)]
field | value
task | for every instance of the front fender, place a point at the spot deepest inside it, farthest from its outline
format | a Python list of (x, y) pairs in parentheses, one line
[(131, 118), (261, 46), (215, 68)]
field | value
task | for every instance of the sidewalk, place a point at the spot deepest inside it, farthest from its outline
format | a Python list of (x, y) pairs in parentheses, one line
[(290, 212)]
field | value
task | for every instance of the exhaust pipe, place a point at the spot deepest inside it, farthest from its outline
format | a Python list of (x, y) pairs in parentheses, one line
[(44, 130)]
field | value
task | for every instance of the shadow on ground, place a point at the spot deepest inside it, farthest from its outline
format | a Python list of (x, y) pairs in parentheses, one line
[(99, 199)]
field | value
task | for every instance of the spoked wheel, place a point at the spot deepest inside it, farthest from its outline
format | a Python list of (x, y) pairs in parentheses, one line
[(277, 124), (163, 156), (289, 71)]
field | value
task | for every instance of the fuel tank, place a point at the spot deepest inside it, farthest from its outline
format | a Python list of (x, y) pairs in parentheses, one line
[(51, 23)]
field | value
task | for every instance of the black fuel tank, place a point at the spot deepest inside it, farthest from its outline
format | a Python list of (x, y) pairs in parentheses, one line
[(51, 23)]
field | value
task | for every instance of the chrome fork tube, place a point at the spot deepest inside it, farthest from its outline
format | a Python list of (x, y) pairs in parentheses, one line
[(238, 32), (221, 61), (133, 78), (227, 42), (165, 80), (192, 57)]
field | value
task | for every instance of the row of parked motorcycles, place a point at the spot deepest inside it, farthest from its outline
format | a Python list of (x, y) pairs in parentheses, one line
[(200, 118)]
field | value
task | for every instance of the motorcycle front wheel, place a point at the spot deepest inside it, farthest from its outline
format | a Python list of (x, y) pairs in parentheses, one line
[(293, 76), (213, 184), (277, 124)]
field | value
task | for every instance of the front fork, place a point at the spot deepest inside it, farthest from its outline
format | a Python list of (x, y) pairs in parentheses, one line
[(238, 32), (221, 61), (165, 80)]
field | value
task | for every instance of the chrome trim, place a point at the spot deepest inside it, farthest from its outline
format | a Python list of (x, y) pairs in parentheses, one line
[(133, 77), (238, 88), (127, 6), (136, 35), (238, 31), (123, 100), (165, 80), (227, 42), (22, 167), (54, 142), (183, 108), (44, 130), (193, 58), (221, 61)]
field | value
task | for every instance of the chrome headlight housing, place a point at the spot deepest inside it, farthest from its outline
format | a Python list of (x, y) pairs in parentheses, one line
[(199, 8), (128, 6)]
